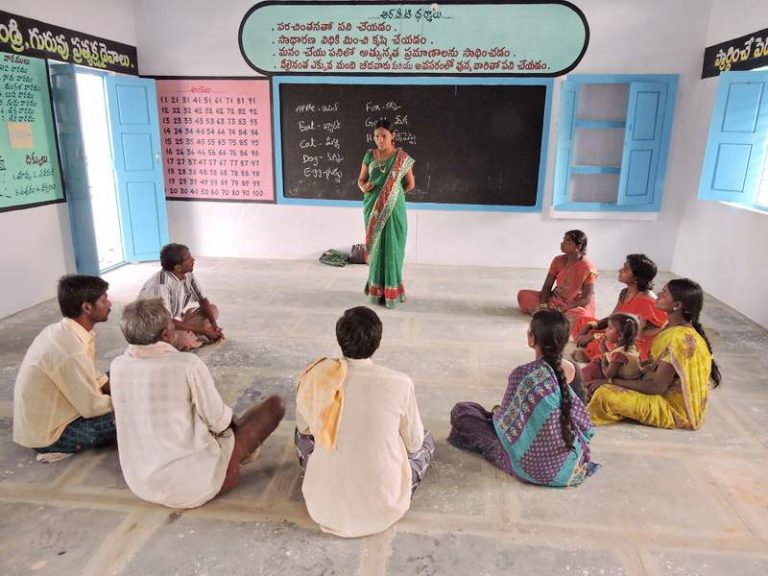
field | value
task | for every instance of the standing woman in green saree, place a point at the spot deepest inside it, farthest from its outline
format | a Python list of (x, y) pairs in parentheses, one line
[(385, 176)]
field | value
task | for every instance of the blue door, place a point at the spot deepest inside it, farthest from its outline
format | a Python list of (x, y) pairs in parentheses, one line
[(71, 150), (138, 166)]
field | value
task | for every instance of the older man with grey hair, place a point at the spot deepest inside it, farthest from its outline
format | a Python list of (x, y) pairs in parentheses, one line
[(179, 445)]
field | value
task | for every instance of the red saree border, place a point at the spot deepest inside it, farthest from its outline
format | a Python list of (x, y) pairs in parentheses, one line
[(382, 200)]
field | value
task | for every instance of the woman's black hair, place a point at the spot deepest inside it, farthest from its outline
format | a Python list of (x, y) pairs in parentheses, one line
[(383, 123), (691, 298), (628, 328), (551, 330), (579, 238), (643, 269)]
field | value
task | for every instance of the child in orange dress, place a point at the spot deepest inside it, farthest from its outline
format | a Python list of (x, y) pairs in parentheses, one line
[(619, 356)]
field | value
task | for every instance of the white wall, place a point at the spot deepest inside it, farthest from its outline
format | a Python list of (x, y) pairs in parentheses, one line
[(36, 242), (720, 246), (708, 241), (185, 37)]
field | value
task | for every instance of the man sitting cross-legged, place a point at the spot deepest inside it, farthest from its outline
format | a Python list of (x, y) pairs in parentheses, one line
[(359, 434), (61, 402), (178, 443), (177, 285)]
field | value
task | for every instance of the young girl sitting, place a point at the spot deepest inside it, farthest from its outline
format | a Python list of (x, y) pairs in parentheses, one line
[(619, 357)]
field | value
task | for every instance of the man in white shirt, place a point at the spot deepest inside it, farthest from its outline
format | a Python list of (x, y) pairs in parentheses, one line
[(179, 445), (372, 453), (61, 402), (177, 286)]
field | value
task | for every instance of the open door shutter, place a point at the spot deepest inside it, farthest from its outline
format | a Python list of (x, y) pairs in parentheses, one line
[(73, 167), (642, 143), (138, 166), (566, 134), (737, 138)]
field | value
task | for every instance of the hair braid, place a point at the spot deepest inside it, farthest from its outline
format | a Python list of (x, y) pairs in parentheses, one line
[(715, 369), (691, 297), (554, 357)]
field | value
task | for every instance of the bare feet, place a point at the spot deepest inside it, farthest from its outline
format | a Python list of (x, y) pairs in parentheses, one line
[(250, 432), (186, 340), (251, 457)]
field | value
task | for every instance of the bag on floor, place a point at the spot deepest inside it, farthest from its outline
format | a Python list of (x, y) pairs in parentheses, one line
[(359, 254), (334, 258)]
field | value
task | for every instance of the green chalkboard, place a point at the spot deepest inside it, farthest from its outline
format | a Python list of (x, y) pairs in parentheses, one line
[(29, 164)]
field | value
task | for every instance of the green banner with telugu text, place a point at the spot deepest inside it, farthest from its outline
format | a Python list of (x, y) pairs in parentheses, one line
[(416, 38)]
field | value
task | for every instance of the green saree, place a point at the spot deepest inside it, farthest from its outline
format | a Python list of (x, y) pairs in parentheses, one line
[(386, 227)]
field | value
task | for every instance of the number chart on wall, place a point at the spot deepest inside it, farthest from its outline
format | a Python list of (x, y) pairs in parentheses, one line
[(29, 166), (216, 139), (477, 144)]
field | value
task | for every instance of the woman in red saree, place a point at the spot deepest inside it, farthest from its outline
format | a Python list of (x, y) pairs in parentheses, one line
[(573, 276), (637, 298), (385, 177)]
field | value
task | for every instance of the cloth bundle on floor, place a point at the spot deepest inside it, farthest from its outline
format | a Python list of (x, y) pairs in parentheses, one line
[(334, 258)]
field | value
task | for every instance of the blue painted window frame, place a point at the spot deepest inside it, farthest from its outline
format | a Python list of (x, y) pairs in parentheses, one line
[(277, 81), (736, 178), (568, 123)]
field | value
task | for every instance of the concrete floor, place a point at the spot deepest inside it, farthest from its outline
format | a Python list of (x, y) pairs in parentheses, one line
[(664, 503)]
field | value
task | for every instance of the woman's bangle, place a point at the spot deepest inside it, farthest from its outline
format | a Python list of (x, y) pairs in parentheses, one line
[(592, 324), (543, 306)]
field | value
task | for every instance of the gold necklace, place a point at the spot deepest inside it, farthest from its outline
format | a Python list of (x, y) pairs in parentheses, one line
[(383, 163)]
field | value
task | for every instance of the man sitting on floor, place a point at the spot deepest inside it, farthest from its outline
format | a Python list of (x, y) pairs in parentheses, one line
[(359, 434), (177, 286), (61, 402), (179, 445)]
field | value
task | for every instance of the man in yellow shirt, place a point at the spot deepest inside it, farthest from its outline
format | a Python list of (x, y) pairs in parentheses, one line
[(61, 401)]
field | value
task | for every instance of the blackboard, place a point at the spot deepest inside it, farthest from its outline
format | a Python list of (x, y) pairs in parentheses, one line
[(474, 144), (29, 163)]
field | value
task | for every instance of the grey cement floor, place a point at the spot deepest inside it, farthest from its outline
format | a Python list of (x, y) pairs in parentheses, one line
[(664, 503)]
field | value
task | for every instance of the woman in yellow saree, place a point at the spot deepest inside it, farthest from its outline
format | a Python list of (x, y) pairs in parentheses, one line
[(385, 177), (674, 392)]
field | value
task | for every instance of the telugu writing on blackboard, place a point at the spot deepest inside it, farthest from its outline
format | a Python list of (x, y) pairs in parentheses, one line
[(320, 150), (216, 139), (505, 39), (744, 53), (28, 37), (476, 143), (29, 169)]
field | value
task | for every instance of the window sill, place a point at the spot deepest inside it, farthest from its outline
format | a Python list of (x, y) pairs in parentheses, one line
[(602, 215), (750, 208)]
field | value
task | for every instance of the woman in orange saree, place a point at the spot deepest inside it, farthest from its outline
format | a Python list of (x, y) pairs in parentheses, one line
[(637, 298), (573, 277)]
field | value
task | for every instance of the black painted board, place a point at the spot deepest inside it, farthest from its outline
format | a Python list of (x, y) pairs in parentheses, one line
[(473, 144)]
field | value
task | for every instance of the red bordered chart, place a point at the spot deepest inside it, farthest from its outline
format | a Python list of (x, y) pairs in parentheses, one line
[(216, 139)]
